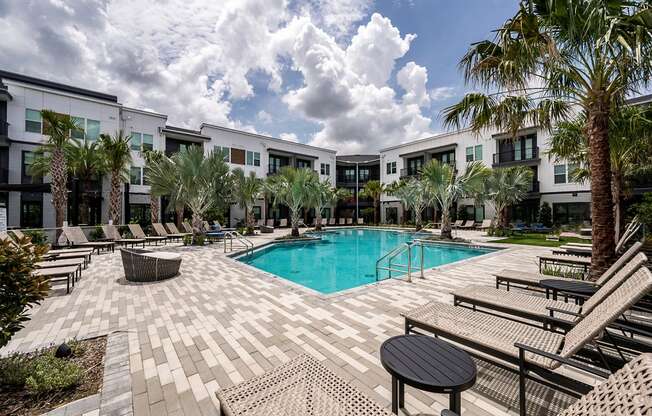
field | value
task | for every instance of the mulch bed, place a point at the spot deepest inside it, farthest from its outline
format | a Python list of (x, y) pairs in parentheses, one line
[(22, 402)]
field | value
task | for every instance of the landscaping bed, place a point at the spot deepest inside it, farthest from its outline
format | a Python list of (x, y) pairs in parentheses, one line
[(535, 239), (34, 383)]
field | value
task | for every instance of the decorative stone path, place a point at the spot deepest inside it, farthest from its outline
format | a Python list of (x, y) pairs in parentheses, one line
[(174, 343)]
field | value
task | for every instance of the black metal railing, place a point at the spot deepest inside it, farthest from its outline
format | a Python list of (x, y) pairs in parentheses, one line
[(407, 172), (515, 156), (534, 187)]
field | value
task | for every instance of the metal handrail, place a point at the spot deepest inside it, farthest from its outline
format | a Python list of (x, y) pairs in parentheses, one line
[(248, 244), (396, 267)]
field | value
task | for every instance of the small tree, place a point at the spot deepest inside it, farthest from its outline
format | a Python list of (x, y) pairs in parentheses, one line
[(294, 188), (19, 288), (545, 215), (374, 190), (117, 152), (246, 190), (504, 187), (153, 156), (414, 194)]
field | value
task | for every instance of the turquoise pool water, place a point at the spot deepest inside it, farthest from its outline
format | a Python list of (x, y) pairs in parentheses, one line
[(347, 258)]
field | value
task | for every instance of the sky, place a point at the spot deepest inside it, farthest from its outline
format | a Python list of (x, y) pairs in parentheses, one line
[(354, 76)]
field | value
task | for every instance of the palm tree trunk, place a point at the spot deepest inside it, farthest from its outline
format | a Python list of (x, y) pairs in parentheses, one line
[(197, 226), (446, 223), (601, 201), (249, 219), (114, 198), (58, 171), (179, 212), (294, 220), (417, 218), (153, 208), (317, 218), (616, 186), (376, 208)]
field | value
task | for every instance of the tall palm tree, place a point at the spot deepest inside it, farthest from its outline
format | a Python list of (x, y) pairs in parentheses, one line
[(59, 128), (246, 189), (117, 153), (397, 190), (294, 188), (415, 195), (325, 196), (504, 187), (87, 164), (554, 54), (630, 144), (446, 186), (189, 179), (153, 156), (374, 190)]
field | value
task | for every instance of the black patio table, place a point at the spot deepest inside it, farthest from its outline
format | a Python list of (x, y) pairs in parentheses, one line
[(578, 289), (428, 364)]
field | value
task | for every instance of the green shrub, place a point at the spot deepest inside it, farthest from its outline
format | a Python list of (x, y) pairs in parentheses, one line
[(499, 232), (37, 236), (199, 240), (187, 240), (644, 211), (545, 215), (50, 373), (14, 370), (97, 233), (19, 289)]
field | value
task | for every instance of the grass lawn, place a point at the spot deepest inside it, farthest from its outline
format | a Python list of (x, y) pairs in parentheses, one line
[(535, 239)]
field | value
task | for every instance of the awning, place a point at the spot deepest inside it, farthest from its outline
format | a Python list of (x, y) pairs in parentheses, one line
[(438, 149), (287, 153), (184, 134)]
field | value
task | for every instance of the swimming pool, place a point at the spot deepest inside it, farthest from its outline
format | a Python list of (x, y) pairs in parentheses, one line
[(346, 258)]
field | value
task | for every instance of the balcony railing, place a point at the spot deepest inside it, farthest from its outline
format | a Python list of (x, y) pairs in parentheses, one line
[(4, 128), (406, 173), (4, 175), (534, 187), (516, 156)]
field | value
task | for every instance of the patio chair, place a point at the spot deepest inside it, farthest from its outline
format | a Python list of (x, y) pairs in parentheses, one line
[(111, 232), (360, 221), (161, 232), (342, 221), (76, 237), (537, 308), (57, 274), (207, 226), (186, 227), (626, 392), (137, 231), (509, 277), (59, 254), (331, 221), (565, 260), (283, 223), (534, 352), (457, 224), (147, 266), (270, 222), (486, 224), (468, 225), (174, 230), (349, 221), (302, 386), (323, 221)]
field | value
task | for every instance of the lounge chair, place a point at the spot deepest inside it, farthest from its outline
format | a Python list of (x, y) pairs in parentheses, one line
[(207, 226), (468, 225), (573, 250), (457, 224), (283, 223), (360, 221), (349, 221), (137, 231), (57, 254), (174, 230), (161, 232), (76, 237), (56, 274), (536, 352), (549, 312), (111, 232), (565, 260), (509, 277), (148, 266), (331, 221), (486, 224), (270, 222), (342, 221), (186, 227), (323, 221), (302, 386), (626, 392)]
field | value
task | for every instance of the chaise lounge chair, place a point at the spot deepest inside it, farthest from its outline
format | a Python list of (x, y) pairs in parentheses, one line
[(486, 224), (137, 231), (550, 312), (341, 221), (161, 232), (186, 227), (302, 386), (457, 224), (509, 277), (534, 352), (626, 392), (58, 254), (331, 221), (349, 221), (469, 225), (173, 230), (111, 232), (77, 238), (283, 223), (360, 221)]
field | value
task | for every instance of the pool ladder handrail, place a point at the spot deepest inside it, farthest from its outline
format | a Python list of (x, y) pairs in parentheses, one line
[(246, 243), (391, 255)]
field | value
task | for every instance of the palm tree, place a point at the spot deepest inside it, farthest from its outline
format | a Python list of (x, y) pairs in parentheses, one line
[(414, 195), (374, 190), (190, 179), (59, 127), (504, 187), (294, 188), (325, 196), (245, 192), (117, 153), (553, 55), (446, 186), (630, 144), (153, 156), (397, 190), (87, 164)]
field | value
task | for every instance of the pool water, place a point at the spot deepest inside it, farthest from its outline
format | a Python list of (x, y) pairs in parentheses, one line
[(347, 258)]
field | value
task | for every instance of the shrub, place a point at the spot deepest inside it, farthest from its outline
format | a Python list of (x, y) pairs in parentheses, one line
[(50, 373), (37, 237), (97, 233), (199, 240), (545, 215), (644, 211), (14, 370), (19, 289), (187, 240)]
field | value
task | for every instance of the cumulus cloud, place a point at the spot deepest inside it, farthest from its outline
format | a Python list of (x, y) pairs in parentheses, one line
[(291, 137), (193, 60), (442, 93)]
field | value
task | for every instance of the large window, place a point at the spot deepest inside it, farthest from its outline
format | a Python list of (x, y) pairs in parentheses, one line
[(92, 130), (79, 133), (225, 152), (253, 158), (136, 141), (349, 175), (565, 173), (136, 175), (475, 213), (257, 212), (474, 153), (302, 164), (391, 168), (86, 129), (148, 142), (571, 213), (31, 210), (33, 121), (325, 169), (363, 174), (27, 161)]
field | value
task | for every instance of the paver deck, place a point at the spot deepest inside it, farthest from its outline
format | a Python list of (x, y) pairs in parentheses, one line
[(220, 322)]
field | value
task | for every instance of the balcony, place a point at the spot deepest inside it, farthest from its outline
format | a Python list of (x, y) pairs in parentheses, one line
[(406, 173), (274, 169), (534, 188), (528, 156), (4, 129), (4, 175)]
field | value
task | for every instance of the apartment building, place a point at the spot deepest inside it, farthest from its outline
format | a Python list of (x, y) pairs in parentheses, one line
[(28, 198)]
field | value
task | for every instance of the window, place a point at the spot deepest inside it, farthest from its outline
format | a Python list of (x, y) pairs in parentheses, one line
[(301, 164), (32, 121), (257, 212), (225, 152), (571, 213), (135, 175), (349, 175), (571, 168), (325, 169), (253, 158), (478, 152), (560, 173), (391, 168), (238, 156), (363, 174), (148, 142), (31, 210), (135, 141), (92, 130), (28, 160), (81, 127), (469, 154)]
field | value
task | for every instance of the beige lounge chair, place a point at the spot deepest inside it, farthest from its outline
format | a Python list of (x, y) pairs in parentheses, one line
[(56, 274), (76, 237), (565, 260), (331, 221), (323, 221), (207, 226), (536, 352), (360, 221), (509, 277), (468, 225), (283, 223), (161, 232), (302, 386), (111, 232), (137, 231), (173, 230), (342, 221), (186, 227), (457, 224), (270, 222), (538, 308), (349, 221), (486, 224)]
